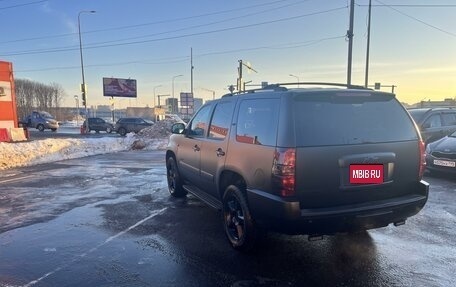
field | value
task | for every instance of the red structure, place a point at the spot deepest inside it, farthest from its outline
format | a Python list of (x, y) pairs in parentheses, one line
[(8, 110)]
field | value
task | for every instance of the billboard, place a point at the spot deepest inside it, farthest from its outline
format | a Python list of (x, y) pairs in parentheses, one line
[(114, 87)]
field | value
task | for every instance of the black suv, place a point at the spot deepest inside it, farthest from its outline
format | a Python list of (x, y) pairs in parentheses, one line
[(434, 123), (314, 161), (97, 125), (127, 125)]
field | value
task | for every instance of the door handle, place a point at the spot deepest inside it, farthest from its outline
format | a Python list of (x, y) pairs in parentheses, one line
[(220, 152), (196, 148)]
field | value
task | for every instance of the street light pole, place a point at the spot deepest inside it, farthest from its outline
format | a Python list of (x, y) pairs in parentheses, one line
[(366, 77), (297, 78), (83, 87), (154, 93), (350, 42), (172, 103)]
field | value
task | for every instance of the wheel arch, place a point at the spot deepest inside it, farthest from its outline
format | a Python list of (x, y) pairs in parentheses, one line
[(169, 153), (228, 177)]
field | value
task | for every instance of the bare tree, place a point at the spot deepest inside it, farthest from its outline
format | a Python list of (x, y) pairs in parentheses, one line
[(31, 95)]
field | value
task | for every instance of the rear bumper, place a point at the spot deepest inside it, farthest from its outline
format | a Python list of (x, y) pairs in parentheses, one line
[(51, 126), (431, 166), (276, 213)]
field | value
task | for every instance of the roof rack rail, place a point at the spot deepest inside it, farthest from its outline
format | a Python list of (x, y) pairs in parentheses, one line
[(274, 87), (324, 84), (281, 87)]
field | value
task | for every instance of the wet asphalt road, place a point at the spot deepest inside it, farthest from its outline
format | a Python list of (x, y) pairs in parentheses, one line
[(107, 220)]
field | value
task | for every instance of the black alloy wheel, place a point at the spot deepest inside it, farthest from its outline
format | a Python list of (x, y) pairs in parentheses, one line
[(174, 181), (239, 225), (122, 131)]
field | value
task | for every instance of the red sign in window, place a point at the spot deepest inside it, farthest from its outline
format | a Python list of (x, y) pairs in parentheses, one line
[(366, 173)]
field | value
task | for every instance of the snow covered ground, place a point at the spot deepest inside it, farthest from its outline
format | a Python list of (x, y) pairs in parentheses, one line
[(50, 150)]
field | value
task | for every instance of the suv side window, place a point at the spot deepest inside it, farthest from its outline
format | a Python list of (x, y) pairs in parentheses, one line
[(221, 120), (433, 121), (449, 119), (199, 124), (257, 121)]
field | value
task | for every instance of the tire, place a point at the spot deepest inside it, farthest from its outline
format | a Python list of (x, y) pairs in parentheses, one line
[(239, 226), (122, 131), (174, 180), (109, 130), (40, 127)]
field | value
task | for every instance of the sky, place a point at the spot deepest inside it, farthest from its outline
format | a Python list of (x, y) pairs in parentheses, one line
[(412, 45)]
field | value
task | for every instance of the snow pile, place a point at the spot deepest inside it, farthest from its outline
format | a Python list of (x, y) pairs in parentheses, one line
[(50, 150), (161, 129)]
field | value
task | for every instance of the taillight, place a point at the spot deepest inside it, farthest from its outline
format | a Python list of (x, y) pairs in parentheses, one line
[(422, 159), (283, 171)]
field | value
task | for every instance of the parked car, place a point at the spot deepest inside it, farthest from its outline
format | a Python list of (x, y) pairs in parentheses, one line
[(97, 125), (41, 120), (434, 123), (300, 161), (441, 154), (127, 125)]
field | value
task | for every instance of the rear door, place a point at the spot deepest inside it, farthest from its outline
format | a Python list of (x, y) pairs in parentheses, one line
[(214, 148), (131, 124), (140, 124), (353, 147)]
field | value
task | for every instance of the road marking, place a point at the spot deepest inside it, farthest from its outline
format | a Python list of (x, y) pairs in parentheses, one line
[(15, 179), (77, 258)]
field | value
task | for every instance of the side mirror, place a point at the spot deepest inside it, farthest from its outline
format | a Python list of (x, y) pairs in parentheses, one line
[(177, 128)]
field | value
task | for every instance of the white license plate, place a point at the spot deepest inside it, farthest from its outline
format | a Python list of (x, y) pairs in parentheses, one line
[(444, 163)]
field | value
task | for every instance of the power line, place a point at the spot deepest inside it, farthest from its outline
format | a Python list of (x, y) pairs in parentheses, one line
[(196, 16), (186, 58), (150, 23), (23, 4), (416, 19), (198, 26), (410, 5), (95, 46)]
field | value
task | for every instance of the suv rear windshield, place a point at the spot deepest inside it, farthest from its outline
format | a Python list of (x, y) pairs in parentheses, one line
[(343, 118)]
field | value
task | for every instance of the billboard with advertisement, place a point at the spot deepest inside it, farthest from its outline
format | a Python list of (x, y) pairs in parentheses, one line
[(115, 87)]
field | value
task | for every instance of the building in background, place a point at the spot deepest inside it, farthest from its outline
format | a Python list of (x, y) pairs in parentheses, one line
[(103, 111), (171, 105), (197, 103), (433, 104)]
